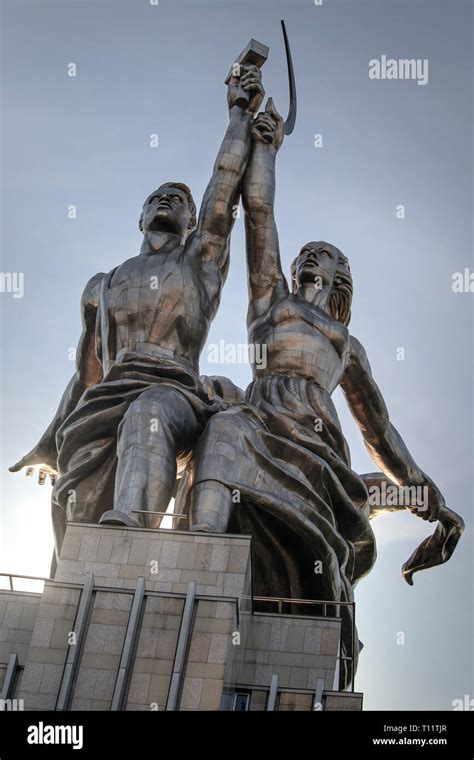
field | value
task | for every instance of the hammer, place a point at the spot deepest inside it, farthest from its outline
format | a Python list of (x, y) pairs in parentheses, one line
[(254, 53)]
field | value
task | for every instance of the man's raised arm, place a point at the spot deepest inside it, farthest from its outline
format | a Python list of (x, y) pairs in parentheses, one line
[(383, 442), (266, 280), (217, 214), (88, 372)]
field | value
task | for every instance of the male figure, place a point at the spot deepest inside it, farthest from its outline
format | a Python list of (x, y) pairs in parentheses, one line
[(135, 405)]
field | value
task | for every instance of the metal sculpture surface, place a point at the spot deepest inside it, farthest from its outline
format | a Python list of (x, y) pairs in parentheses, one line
[(136, 413), (276, 465), (132, 412)]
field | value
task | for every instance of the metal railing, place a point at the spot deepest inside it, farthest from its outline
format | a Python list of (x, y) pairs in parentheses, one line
[(12, 576), (323, 604)]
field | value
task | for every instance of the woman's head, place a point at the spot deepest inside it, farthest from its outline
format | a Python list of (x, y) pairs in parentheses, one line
[(325, 266)]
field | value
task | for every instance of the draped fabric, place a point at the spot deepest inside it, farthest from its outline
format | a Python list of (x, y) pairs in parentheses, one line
[(306, 510), (87, 440)]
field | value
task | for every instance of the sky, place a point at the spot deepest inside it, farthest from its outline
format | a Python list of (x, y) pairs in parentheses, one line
[(144, 69)]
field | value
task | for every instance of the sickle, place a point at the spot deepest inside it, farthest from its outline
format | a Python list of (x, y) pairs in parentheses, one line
[(291, 118)]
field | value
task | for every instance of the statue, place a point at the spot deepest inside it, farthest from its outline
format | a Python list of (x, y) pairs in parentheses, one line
[(136, 414), (135, 407), (281, 451)]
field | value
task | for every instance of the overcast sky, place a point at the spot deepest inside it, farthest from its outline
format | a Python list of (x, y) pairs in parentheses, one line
[(84, 140)]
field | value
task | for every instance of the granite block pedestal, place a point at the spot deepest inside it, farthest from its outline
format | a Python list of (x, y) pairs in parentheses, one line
[(162, 620)]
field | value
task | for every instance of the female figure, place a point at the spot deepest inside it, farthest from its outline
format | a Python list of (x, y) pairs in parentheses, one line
[(277, 465)]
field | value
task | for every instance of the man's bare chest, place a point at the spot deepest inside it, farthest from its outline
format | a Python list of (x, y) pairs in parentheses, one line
[(140, 287)]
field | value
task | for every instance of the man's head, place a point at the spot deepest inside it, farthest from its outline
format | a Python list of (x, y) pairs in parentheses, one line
[(325, 266), (171, 208)]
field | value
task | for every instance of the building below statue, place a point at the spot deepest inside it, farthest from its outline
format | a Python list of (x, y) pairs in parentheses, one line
[(164, 620)]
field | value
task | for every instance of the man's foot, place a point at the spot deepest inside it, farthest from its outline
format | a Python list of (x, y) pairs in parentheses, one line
[(114, 517)]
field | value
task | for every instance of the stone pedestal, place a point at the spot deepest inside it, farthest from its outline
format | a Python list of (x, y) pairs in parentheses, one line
[(163, 620)]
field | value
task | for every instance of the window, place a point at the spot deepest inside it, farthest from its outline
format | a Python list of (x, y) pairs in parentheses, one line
[(241, 701)]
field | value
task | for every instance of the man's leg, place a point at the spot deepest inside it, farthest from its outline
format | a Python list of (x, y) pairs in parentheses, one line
[(210, 505), (156, 429)]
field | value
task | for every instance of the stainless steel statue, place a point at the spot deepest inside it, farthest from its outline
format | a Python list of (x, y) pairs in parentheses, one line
[(135, 407), (273, 462), (276, 465)]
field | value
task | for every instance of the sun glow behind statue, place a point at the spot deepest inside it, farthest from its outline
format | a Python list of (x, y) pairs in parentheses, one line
[(28, 523)]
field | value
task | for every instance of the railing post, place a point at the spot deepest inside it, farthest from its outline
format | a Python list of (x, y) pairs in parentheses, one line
[(179, 665), (10, 677), (74, 651), (131, 636), (318, 693), (272, 697)]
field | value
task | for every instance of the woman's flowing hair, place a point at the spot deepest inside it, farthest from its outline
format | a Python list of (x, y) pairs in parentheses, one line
[(340, 300)]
